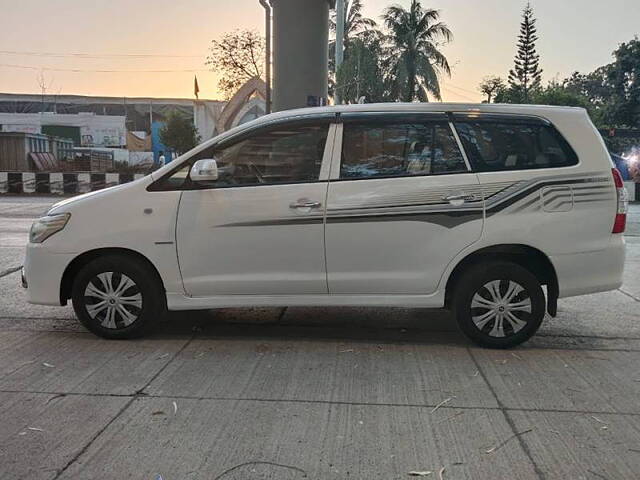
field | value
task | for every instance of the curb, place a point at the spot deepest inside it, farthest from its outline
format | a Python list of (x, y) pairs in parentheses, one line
[(61, 183)]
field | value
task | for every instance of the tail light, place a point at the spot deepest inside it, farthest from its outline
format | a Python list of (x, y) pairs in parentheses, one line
[(620, 224)]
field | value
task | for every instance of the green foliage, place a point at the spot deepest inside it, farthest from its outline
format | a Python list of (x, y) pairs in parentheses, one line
[(526, 76), (237, 57), (401, 63), (359, 28), (610, 93), (361, 73), (415, 62), (624, 78), (355, 24), (179, 133)]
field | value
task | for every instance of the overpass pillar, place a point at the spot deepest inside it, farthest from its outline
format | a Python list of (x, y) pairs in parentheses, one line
[(300, 53)]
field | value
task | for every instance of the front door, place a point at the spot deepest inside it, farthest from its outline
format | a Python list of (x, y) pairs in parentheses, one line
[(258, 230), (402, 204)]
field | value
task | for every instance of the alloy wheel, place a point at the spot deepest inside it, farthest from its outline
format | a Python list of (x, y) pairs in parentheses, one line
[(113, 299)]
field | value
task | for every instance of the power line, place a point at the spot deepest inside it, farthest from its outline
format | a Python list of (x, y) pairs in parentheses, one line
[(94, 55), (460, 88), (76, 70), (458, 94)]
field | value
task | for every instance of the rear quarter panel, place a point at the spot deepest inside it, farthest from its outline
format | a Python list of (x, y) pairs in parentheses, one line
[(582, 221)]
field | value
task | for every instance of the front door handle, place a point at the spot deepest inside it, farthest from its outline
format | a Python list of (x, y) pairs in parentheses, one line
[(304, 203)]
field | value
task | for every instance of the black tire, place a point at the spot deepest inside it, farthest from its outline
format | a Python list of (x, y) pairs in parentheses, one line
[(145, 300), (482, 319)]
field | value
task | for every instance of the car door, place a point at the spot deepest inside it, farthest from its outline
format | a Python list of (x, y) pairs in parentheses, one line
[(258, 229), (402, 203)]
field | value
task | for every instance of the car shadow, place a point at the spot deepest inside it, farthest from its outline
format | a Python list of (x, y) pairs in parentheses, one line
[(365, 325)]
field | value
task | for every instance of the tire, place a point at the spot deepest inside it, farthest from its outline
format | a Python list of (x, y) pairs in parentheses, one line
[(117, 297), (485, 314)]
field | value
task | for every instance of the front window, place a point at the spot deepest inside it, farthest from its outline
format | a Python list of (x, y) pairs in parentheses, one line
[(278, 155), (371, 150)]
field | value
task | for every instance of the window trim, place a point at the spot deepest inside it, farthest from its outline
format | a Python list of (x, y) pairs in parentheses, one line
[(228, 141), (393, 119)]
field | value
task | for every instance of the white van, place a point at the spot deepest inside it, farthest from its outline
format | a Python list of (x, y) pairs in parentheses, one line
[(475, 208)]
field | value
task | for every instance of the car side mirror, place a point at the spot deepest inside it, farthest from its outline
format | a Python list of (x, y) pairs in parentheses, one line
[(204, 171)]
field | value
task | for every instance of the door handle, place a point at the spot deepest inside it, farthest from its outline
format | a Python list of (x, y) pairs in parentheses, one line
[(460, 197), (303, 203)]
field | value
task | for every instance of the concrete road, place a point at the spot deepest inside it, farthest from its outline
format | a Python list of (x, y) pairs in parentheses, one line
[(316, 393)]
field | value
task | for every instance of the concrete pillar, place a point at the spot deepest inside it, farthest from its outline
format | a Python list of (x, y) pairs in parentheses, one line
[(300, 53)]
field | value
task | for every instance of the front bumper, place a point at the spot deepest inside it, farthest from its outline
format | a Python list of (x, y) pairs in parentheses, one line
[(42, 274)]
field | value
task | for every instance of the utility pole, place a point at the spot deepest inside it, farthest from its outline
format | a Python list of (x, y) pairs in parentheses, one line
[(340, 13)]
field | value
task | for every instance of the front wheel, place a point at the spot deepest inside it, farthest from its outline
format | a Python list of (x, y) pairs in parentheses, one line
[(499, 304), (117, 297)]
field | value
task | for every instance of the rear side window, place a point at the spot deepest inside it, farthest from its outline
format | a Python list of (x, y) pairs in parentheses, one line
[(375, 150), (494, 146)]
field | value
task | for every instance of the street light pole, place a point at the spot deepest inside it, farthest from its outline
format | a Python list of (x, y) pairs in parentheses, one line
[(340, 14)]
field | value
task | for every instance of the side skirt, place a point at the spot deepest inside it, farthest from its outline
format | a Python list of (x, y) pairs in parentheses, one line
[(180, 302)]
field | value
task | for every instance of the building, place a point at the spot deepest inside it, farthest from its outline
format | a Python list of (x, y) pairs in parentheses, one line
[(84, 129), (106, 121), (25, 151)]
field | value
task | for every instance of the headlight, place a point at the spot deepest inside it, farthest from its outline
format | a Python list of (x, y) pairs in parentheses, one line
[(44, 227)]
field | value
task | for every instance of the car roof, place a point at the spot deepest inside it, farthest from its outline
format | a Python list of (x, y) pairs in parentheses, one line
[(421, 107)]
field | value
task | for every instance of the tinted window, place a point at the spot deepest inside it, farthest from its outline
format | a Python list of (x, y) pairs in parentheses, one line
[(286, 154), (498, 146), (396, 150)]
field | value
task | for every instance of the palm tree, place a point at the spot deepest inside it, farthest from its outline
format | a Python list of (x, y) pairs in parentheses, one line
[(354, 22), (415, 63)]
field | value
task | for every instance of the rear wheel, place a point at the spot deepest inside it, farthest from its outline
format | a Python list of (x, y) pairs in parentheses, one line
[(499, 304), (117, 297)]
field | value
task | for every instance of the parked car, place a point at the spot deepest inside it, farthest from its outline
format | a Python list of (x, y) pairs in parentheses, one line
[(474, 208)]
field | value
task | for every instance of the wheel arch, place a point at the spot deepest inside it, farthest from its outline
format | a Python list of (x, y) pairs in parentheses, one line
[(526, 256), (84, 258)]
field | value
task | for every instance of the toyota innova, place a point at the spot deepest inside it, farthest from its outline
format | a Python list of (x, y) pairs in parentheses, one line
[(492, 211)]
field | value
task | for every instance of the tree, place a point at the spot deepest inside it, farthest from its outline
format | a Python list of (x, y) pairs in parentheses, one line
[(415, 61), (558, 93), (354, 24), (624, 78), (237, 57), (361, 74), (179, 133), (526, 75), (491, 86)]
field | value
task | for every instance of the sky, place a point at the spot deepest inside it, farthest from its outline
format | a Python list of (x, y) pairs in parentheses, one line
[(174, 36)]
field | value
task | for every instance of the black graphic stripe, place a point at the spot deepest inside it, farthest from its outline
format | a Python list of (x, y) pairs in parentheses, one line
[(450, 219), (501, 205)]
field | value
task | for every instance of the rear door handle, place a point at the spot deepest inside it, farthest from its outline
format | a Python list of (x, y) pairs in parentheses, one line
[(304, 203), (460, 197)]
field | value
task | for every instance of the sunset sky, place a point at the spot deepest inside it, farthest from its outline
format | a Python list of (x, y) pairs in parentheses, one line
[(574, 35)]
